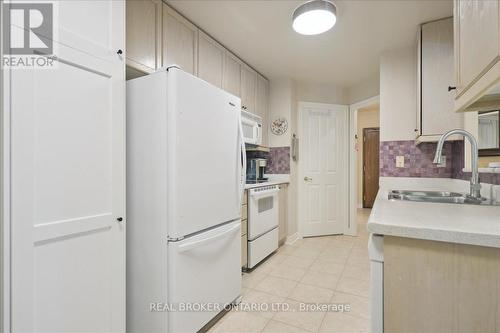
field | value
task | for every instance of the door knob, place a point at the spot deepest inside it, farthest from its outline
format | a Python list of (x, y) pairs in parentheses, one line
[(308, 179)]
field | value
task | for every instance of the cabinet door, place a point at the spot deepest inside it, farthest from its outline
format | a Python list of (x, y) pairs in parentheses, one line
[(67, 199), (283, 212), (262, 106), (210, 59), (144, 34), (477, 33), (248, 88), (437, 103), (232, 74), (180, 41)]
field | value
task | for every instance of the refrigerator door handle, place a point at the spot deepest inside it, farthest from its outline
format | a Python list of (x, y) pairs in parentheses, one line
[(243, 161), (191, 245)]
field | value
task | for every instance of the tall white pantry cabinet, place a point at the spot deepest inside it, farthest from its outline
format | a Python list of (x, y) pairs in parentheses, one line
[(63, 175)]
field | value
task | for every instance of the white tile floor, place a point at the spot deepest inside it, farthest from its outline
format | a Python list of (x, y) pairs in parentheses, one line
[(333, 269)]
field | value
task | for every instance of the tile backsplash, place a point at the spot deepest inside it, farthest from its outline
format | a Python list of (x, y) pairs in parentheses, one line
[(278, 161), (418, 161)]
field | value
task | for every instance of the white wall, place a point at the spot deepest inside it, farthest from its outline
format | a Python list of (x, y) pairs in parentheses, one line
[(398, 94), (321, 93), (281, 104), (364, 90)]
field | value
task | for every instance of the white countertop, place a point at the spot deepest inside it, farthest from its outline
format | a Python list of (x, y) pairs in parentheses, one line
[(464, 224), (274, 182)]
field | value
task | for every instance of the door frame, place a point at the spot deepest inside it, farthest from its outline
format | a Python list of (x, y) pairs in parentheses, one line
[(352, 228), (300, 171), (366, 129)]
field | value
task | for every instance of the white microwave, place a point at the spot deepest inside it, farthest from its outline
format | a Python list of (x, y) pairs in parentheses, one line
[(252, 128)]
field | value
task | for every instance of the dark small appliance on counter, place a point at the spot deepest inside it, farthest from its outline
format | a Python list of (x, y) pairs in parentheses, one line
[(256, 163), (256, 168)]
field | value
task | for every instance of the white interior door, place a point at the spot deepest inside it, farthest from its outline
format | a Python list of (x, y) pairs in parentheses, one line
[(323, 169), (67, 178)]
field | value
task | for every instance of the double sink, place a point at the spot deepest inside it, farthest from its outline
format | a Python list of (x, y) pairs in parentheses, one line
[(439, 197)]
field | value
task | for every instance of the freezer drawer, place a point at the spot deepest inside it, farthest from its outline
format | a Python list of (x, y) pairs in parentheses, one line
[(261, 247), (204, 269)]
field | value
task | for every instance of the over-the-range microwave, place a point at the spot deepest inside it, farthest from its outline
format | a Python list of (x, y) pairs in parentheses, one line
[(252, 128)]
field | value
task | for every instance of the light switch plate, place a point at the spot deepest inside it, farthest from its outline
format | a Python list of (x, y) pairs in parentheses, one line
[(400, 161)]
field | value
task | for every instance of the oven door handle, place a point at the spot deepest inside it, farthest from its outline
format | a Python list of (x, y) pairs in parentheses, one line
[(268, 193)]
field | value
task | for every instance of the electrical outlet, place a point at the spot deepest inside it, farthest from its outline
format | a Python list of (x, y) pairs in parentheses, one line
[(400, 161), (442, 165)]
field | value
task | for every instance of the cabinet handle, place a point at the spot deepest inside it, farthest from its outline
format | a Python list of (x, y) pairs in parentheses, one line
[(119, 219), (450, 88)]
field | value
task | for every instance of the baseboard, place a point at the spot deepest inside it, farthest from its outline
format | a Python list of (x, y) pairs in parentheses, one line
[(292, 238)]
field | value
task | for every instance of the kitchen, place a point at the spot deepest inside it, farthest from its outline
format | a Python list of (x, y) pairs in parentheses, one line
[(246, 166)]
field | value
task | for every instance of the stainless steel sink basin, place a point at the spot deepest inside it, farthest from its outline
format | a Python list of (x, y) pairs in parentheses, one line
[(439, 197)]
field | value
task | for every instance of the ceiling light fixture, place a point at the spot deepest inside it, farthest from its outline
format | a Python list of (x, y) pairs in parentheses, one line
[(314, 17)]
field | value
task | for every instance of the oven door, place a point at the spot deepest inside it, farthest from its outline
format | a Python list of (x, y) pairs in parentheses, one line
[(263, 211)]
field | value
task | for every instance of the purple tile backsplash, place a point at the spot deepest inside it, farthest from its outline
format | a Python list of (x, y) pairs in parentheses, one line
[(418, 161), (279, 160)]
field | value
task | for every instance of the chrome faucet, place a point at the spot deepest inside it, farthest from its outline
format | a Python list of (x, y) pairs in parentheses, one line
[(475, 186)]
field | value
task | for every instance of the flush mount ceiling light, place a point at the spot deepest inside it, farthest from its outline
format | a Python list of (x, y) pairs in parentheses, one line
[(314, 17)]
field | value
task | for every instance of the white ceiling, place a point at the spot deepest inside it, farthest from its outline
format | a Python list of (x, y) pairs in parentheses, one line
[(260, 32)]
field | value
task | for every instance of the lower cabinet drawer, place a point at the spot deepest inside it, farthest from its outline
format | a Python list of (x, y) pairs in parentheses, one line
[(244, 251), (261, 247)]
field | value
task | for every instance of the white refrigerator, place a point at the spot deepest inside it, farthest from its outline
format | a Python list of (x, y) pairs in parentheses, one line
[(184, 188)]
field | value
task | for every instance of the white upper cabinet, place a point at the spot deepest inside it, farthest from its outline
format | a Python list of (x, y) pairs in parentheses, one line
[(144, 35), (477, 48), (232, 74), (210, 60), (262, 106), (158, 36), (248, 89), (436, 112), (180, 41)]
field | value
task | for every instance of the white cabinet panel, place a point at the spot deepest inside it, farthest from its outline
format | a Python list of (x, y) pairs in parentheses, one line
[(478, 39), (437, 114), (262, 106), (180, 41), (210, 59), (477, 49), (283, 212), (232, 74), (248, 88), (68, 188), (143, 33)]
